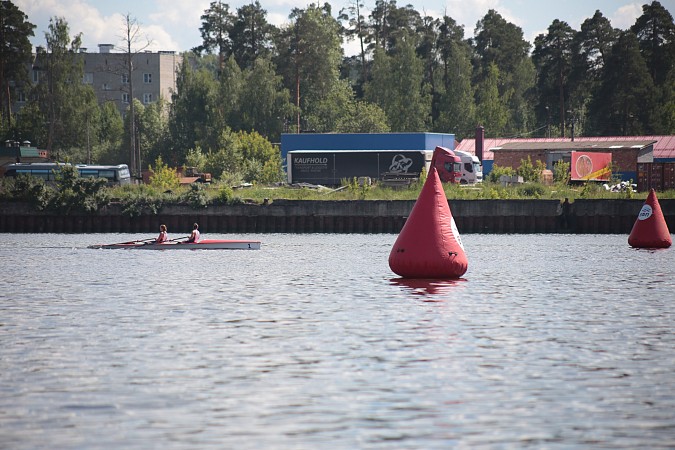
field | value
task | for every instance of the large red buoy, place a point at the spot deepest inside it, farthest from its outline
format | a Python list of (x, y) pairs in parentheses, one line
[(429, 245), (650, 229)]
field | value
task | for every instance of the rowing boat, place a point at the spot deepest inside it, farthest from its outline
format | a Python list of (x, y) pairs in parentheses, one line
[(206, 244)]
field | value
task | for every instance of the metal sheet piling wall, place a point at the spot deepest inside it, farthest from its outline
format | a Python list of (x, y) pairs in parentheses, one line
[(367, 216)]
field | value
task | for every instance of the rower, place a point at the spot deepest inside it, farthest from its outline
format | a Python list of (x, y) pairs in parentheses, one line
[(162, 234), (194, 236)]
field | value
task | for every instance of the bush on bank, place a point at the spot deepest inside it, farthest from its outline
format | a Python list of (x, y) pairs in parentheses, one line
[(86, 195)]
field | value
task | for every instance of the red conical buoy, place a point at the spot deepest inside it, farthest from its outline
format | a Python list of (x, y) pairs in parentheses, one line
[(429, 245), (650, 229)]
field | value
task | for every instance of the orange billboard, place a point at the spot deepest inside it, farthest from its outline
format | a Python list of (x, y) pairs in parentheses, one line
[(591, 166)]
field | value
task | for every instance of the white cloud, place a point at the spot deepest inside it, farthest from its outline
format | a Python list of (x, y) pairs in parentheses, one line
[(179, 15), (625, 16), (469, 12)]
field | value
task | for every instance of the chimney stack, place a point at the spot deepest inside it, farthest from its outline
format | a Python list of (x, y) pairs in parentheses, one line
[(480, 142)]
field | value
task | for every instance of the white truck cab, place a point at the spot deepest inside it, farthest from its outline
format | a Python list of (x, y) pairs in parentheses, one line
[(472, 169)]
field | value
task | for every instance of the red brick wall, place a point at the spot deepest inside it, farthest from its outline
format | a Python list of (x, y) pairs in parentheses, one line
[(511, 158), (623, 160)]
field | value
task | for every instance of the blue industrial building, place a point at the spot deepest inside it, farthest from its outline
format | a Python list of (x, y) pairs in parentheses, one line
[(364, 141)]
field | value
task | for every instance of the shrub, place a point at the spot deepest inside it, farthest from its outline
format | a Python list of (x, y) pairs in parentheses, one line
[(589, 190), (529, 171), (163, 177), (561, 172), (78, 194), (225, 195), (498, 171), (195, 196), (535, 190), (29, 189), (136, 200)]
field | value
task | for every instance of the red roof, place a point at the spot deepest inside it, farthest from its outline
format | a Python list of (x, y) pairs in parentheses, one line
[(663, 148)]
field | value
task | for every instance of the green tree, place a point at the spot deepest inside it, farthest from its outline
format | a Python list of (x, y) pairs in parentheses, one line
[(456, 105), (162, 176), (310, 52), (190, 111), (356, 28), (491, 110), (30, 123), (252, 36), (263, 160), (265, 103), (153, 130), (217, 22), (362, 117), (389, 24), (500, 43), (665, 114), (552, 56), (63, 102), (225, 109), (108, 147), (655, 32), (331, 108), (624, 103), (15, 54), (196, 158), (591, 48), (226, 162), (593, 43), (397, 87), (86, 129)]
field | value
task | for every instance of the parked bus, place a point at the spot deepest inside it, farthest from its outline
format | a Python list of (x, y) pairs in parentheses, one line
[(116, 175)]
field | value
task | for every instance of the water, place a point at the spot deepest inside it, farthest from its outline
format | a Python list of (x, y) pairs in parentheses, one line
[(549, 341)]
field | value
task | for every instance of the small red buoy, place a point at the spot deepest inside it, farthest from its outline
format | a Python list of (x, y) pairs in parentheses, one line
[(650, 229), (429, 245)]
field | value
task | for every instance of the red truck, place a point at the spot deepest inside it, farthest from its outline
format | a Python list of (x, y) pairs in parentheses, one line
[(448, 165)]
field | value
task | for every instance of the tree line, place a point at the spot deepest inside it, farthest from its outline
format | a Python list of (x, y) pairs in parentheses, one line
[(249, 81)]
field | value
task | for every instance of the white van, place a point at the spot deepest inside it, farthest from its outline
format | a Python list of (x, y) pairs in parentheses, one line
[(472, 169)]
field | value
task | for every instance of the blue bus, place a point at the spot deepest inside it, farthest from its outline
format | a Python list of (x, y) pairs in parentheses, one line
[(116, 175)]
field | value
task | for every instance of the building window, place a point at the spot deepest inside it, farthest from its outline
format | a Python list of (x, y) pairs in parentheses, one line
[(147, 98), (88, 78), (22, 97), (125, 78), (147, 78), (105, 87), (125, 97), (36, 76)]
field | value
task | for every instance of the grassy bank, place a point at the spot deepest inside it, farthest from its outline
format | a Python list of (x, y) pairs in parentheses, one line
[(84, 195), (216, 193)]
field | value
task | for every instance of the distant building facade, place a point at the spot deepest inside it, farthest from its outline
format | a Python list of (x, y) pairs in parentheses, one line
[(627, 151), (154, 76)]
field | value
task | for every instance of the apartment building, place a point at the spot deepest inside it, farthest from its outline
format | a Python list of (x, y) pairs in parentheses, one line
[(154, 76)]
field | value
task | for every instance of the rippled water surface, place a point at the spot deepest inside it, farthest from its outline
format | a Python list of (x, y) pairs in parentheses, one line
[(552, 341)]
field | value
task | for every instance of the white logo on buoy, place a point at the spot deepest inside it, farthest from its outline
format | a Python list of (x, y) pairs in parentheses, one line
[(645, 212), (455, 233)]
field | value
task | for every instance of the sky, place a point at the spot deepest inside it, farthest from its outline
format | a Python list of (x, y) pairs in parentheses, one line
[(174, 25)]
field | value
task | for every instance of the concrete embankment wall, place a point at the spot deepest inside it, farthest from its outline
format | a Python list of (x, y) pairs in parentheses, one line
[(367, 216)]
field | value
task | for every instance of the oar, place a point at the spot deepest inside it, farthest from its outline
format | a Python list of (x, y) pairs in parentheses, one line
[(177, 239), (122, 243), (168, 240), (133, 242)]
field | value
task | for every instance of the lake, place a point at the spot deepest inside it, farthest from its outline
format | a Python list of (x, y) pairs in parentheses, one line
[(549, 341)]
